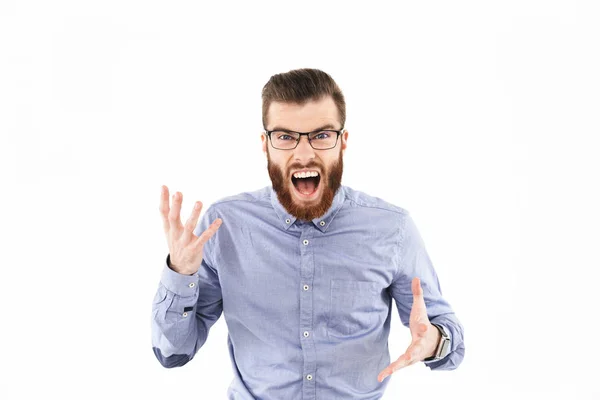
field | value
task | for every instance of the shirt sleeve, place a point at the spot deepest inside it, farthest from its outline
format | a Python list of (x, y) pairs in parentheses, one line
[(185, 307), (414, 261)]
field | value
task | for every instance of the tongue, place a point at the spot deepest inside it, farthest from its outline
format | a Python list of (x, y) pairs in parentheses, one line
[(306, 185)]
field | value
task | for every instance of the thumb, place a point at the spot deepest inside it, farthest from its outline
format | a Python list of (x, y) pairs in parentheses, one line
[(417, 290), (418, 312)]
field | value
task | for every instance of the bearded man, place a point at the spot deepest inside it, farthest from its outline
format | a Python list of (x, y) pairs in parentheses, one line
[(305, 270)]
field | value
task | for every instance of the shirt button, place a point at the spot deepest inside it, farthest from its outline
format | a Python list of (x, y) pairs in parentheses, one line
[(185, 314), (309, 377), (287, 221), (305, 287), (322, 223), (306, 333), (305, 242), (192, 284)]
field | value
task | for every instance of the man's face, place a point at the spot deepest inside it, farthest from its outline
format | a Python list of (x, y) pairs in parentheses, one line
[(305, 198)]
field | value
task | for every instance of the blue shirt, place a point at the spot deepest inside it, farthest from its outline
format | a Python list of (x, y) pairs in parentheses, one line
[(307, 303)]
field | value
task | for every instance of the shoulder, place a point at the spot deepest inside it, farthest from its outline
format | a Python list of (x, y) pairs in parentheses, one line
[(358, 199), (257, 197)]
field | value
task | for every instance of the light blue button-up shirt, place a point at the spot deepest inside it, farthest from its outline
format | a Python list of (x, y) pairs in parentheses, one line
[(307, 304)]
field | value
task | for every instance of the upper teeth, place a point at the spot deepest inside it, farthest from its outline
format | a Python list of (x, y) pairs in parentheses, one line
[(304, 174)]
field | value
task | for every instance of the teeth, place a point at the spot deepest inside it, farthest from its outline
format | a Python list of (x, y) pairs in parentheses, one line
[(305, 174)]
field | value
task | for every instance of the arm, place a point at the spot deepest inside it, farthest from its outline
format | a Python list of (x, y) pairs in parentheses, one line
[(414, 261), (184, 308)]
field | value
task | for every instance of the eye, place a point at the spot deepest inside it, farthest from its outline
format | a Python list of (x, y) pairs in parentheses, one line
[(322, 135), (283, 136)]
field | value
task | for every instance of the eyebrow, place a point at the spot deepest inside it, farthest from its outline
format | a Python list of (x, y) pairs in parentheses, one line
[(327, 126)]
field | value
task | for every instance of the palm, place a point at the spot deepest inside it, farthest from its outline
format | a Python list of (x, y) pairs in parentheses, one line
[(422, 332)]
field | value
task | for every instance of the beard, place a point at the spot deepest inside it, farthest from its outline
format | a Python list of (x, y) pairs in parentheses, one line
[(331, 180)]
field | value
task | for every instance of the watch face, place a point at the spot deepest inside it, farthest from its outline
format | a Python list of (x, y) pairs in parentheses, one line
[(445, 348)]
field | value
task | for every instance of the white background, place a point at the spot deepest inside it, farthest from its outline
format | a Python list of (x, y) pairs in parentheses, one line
[(479, 117)]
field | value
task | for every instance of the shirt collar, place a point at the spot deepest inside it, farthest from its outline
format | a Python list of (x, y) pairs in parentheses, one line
[(321, 223)]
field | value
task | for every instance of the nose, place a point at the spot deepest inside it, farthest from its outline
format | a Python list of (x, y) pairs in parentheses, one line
[(304, 151)]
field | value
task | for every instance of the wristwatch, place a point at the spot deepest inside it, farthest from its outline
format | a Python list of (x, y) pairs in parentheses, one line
[(443, 347)]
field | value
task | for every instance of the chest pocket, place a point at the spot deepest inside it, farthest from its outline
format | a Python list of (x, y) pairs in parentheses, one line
[(352, 308)]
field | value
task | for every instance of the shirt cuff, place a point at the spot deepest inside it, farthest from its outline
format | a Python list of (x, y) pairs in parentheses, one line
[(180, 284)]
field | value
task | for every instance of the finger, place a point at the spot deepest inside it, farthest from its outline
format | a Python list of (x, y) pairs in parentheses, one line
[(417, 289), (401, 362), (174, 215), (191, 222), (418, 309), (209, 232), (163, 207)]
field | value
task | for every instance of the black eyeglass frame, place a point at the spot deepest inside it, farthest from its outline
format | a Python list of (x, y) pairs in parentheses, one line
[(339, 132)]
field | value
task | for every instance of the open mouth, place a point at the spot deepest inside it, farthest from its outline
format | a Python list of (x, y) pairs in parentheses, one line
[(306, 182)]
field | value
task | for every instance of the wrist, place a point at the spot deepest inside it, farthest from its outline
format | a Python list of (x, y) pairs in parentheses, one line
[(436, 337), (443, 344), (176, 269)]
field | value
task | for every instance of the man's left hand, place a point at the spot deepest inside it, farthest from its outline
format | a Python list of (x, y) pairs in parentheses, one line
[(425, 336)]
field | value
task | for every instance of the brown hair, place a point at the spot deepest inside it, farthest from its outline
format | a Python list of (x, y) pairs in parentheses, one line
[(299, 86)]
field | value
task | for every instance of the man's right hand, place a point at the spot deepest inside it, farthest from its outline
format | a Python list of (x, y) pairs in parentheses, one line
[(185, 248)]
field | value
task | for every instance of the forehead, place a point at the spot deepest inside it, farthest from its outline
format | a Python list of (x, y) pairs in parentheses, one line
[(303, 118)]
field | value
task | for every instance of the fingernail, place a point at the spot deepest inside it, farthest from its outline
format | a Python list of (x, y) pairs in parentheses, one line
[(197, 206)]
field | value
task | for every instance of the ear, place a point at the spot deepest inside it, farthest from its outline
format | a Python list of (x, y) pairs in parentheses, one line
[(263, 139), (344, 141)]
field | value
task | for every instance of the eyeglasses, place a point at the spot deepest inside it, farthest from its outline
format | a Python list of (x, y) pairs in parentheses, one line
[(319, 140)]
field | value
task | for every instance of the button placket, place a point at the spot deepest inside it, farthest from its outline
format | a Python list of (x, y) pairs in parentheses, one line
[(307, 344)]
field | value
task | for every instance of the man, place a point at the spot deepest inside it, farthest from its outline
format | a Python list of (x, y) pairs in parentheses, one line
[(305, 270)]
